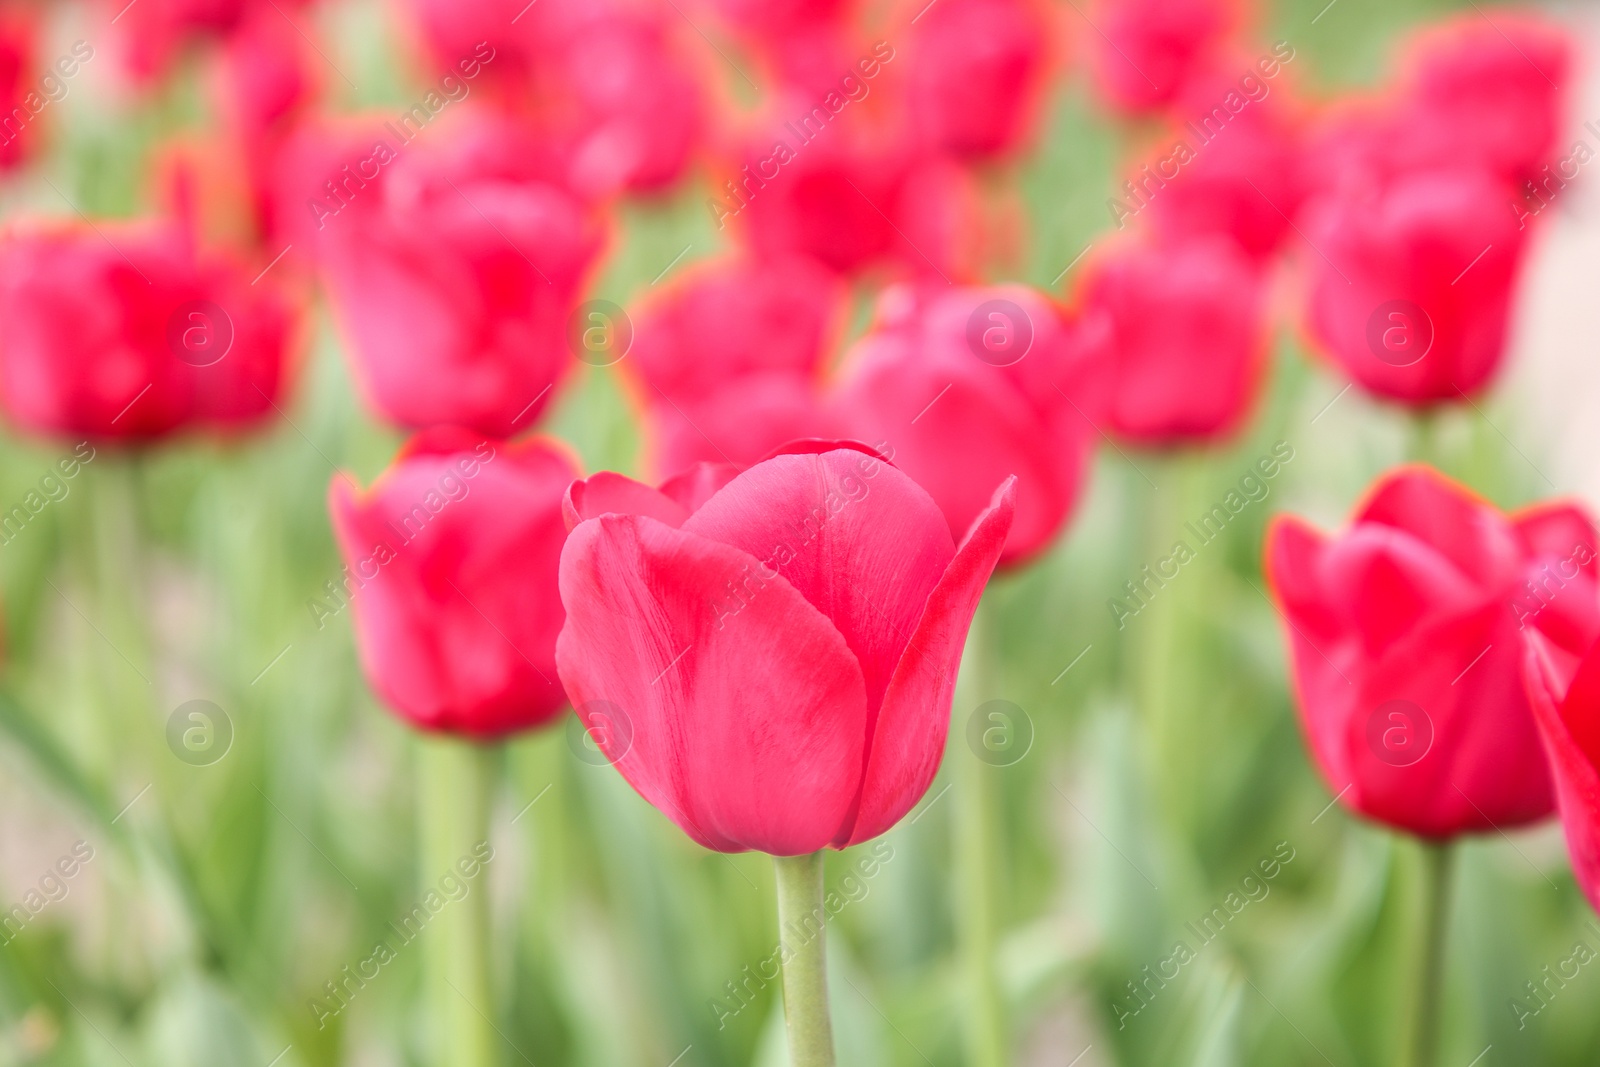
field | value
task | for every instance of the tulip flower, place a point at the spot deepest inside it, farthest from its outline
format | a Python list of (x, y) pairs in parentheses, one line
[(153, 35), (968, 386), (454, 267), (976, 74), (728, 360), (1145, 52), (19, 97), (123, 332), (1494, 87), (1564, 691), (1406, 648), (451, 560), (1412, 282), (1183, 325), (850, 192), (773, 655)]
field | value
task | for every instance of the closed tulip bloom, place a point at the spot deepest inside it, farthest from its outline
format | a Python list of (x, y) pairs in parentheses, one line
[(1495, 87), (780, 658), (450, 570), (454, 270), (966, 387), (977, 72), (727, 363), (1412, 283), (18, 92), (1406, 637), (1565, 694), (1145, 52), (1182, 325), (126, 333)]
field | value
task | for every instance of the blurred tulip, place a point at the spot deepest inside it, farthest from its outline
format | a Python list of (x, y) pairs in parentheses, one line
[(1492, 87), (18, 96), (450, 569), (851, 193), (265, 78), (454, 267), (1407, 656), (153, 33), (1144, 52), (1565, 694), (604, 79), (965, 387), (1224, 172), (1183, 327), (977, 71), (125, 333), (805, 706), (730, 359), (1411, 284)]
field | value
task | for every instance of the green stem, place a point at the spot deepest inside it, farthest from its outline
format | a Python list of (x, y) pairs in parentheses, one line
[(976, 859), (1438, 867), (457, 781), (801, 917)]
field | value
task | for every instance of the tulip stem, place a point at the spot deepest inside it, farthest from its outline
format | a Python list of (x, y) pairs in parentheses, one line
[(976, 859), (801, 917), (457, 782), (1438, 866)]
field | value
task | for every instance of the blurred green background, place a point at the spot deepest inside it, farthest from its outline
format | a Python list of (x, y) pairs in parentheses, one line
[(220, 899)]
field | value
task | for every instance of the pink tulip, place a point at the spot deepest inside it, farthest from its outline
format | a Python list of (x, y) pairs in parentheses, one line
[(728, 360), (1145, 53), (451, 559), (454, 265), (966, 387), (1183, 326), (1565, 693), (780, 657), (1406, 630)]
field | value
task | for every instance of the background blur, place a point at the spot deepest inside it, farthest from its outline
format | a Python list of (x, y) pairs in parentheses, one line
[(221, 898)]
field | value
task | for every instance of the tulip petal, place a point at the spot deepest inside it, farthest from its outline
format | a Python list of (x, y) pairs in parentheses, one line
[(746, 727), (1570, 728), (609, 493), (1389, 582), (909, 735), (862, 542), (1448, 516), (699, 483)]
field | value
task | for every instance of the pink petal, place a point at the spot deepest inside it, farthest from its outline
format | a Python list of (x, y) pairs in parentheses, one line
[(609, 493), (1448, 516), (908, 737), (747, 729), (1387, 582), (860, 541), (1570, 729)]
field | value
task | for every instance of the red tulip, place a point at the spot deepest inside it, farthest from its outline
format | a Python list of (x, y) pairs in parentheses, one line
[(1407, 654), (454, 266), (777, 663), (451, 561), (1145, 52), (730, 359), (20, 95), (154, 33), (1183, 327), (124, 332), (1565, 694), (965, 387), (266, 77), (1412, 284), (605, 79), (849, 191), (977, 74), (1239, 175), (1493, 86)]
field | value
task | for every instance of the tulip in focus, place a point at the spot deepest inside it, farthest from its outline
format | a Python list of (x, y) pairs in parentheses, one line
[(783, 651), (454, 267), (1406, 632), (450, 570), (1412, 283), (965, 387), (124, 332), (1183, 327)]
